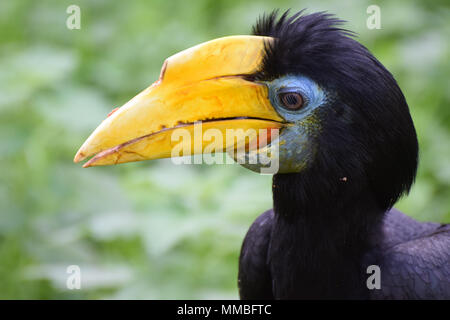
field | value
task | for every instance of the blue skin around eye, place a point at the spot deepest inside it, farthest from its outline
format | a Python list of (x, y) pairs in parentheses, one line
[(295, 146), (312, 94)]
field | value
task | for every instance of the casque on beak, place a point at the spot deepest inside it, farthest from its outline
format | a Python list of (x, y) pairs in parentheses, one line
[(204, 83)]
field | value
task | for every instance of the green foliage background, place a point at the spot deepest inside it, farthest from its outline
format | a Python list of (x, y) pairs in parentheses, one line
[(153, 229)]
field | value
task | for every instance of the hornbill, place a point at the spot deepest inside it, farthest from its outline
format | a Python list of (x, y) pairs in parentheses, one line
[(347, 150)]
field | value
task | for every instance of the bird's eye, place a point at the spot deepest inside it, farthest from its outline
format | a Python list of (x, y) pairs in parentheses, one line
[(291, 100)]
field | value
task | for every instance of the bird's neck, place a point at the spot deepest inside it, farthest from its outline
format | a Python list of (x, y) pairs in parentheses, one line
[(321, 233)]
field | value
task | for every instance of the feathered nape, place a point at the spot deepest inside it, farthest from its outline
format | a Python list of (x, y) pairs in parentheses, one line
[(301, 42)]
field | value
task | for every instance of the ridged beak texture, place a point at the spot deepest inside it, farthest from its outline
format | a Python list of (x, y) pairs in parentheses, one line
[(203, 83)]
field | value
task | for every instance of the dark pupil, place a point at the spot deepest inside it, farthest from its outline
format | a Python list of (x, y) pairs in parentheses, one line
[(292, 100)]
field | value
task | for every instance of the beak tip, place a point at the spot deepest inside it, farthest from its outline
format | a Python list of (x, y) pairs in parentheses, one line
[(90, 163), (79, 157)]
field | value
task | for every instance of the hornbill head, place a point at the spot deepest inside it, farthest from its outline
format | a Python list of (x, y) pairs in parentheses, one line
[(340, 113)]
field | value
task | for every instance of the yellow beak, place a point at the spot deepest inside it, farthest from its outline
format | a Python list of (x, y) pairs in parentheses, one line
[(204, 83)]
